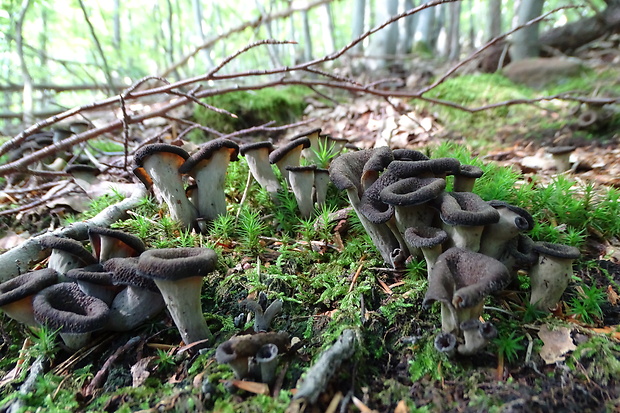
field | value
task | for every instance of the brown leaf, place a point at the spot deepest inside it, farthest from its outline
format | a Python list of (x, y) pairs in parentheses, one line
[(140, 372), (251, 386), (361, 406), (557, 343), (401, 407), (612, 296)]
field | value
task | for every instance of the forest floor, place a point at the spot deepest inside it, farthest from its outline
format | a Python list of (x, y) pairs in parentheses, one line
[(396, 368)]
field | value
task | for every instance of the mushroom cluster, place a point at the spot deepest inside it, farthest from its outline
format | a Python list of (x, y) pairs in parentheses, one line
[(117, 287), (472, 247)]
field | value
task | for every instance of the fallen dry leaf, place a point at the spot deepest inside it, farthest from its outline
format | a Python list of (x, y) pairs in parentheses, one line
[(612, 296), (401, 407), (361, 406), (140, 372), (557, 343), (251, 386)]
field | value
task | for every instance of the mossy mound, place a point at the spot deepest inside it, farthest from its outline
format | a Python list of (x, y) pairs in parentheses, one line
[(252, 108)]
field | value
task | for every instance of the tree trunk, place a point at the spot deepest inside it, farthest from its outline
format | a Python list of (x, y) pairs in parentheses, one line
[(357, 25), (384, 43), (93, 33), (525, 43), (494, 18), (27, 97), (200, 34), (307, 36), (116, 26), (329, 41), (424, 29), (454, 32), (408, 29)]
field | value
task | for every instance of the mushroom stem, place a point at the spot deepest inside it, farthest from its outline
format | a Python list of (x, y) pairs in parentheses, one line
[(267, 359), (551, 274), (476, 335), (183, 299)]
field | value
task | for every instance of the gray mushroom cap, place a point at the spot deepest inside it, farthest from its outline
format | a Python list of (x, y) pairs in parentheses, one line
[(438, 167), (557, 250), (125, 272), (463, 278), (177, 263), (465, 208), (412, 191), (207, 151), (560, 150), (445, 343), (425, 237), (93, 273), (379, 160), (526, 221), (111, 243), (243, 149), (346, 171), (66, 308), (279, 154), (146, 151), (409, 155), (69, 245), (26, 284)]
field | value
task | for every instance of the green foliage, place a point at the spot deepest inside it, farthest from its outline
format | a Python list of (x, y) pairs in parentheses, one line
[(587, 303), (509, 346), (252, 108), (251, 228), (597, 359), (427, 361)]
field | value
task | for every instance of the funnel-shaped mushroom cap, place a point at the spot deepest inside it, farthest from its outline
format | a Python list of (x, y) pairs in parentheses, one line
[(379, 160), (437, 167), (409, 155), (310, 152), (523, 220), (464, 278), (140, 299), (445, 343), (425, 237), (346, 171), (460, 280), (16, 294), (157, 166), (257, 158), (208, 166), (263, 314), (477, 335), (178, 274), (267, 359), (95, 281), (551, 274), (177, 263), (412, 191), (112, 243), (289, 154), (66, 308), (371, 205), (496, 237), (465, 208), (465, 178), (237, 350), (67, 253), (125, 272)]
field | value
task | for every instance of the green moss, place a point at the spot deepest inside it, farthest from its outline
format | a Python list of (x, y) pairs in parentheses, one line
[(252, 108)]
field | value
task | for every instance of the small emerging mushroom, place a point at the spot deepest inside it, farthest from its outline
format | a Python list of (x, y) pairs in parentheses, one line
[(429, 240), (445, 343), (476, 335), (208, 167), (465, 178), (66, 308), (178, 273), (551, 274), (16, 294), (94, 281), (263, 314), (267, 359), (561, 157), (321, 183), (460, 281), (157, 166)]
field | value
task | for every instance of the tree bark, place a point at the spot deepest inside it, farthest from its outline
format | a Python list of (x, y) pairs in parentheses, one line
[(454, 33), (116, 25), (408, 29), (384, 42), (329, 41), (526, 42), (357, 25), (93, 33), (307, 37), (200, 34), (494, 18), (424, 29), (27, 98)]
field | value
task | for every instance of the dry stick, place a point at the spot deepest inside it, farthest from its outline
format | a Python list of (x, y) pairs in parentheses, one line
[(97, 381), (35, 371), (318, 376), (19, 259)]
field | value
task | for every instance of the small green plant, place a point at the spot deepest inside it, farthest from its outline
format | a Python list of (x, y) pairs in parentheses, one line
[(325, 152), (224, 227), (251, 228), (586, 305), (509, 346), (531, 313), (164, 359), (44, 342)]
